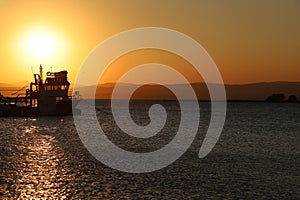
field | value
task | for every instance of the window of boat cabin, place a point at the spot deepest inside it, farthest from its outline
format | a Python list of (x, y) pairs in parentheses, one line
[(59, 99)]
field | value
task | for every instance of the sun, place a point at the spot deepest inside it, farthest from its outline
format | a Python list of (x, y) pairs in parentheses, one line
[(39, 45)]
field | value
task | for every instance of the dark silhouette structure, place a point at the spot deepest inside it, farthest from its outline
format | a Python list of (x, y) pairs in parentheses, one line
[(49, 97), (292, 98), (276, 98)]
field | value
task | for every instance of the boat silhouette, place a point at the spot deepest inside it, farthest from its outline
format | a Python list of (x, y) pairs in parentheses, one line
[(43, 98)]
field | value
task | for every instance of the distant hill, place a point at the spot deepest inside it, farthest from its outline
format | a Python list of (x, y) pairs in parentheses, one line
[(17, 85), (252, 92)]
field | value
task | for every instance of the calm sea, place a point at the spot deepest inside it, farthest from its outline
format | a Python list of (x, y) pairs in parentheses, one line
[(257, 156)]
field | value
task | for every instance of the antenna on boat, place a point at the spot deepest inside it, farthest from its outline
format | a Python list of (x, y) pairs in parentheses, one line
[(41, 72)]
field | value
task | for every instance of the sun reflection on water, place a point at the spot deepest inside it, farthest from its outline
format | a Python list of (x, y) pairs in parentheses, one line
[(39, 176)]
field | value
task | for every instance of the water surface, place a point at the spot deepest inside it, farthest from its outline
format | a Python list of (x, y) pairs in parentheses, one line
[(257, 156)]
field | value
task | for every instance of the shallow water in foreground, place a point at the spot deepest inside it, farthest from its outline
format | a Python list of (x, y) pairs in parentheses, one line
[(257, 156)]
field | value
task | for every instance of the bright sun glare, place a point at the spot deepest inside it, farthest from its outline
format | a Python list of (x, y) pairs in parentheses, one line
[(39, 45)]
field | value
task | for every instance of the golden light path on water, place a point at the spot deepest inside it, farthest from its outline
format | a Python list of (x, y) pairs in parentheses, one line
[(42, 158), (39, 168), (35, 162)]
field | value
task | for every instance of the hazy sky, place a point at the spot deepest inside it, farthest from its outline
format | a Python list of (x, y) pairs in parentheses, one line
[(250, 41)]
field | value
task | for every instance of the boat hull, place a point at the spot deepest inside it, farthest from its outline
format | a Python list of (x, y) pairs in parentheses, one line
[(62, 108)]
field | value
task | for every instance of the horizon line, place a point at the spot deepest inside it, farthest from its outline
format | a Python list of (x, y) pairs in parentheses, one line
[(129, 83)]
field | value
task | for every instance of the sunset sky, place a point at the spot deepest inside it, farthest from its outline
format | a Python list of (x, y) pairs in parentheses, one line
[(250, 41)]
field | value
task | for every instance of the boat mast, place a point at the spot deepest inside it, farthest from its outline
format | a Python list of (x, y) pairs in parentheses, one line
[(41, 72)]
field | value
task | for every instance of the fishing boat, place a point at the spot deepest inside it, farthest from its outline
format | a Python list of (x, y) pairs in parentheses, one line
[(47, 97)]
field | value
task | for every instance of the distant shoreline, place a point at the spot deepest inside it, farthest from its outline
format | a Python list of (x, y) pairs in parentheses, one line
[(173, 100), (279, 91)]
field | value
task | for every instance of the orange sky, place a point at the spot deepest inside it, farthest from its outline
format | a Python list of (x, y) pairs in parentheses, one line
[(250, 41)]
